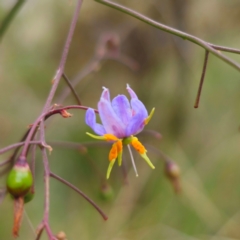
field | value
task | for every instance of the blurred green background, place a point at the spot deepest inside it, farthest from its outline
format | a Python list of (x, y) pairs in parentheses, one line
[(204, 142)]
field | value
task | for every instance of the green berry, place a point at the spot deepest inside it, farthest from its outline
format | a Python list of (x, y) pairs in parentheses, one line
[(19, 180)]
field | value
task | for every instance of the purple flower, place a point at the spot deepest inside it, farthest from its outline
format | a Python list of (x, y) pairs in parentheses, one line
[(121, 120)]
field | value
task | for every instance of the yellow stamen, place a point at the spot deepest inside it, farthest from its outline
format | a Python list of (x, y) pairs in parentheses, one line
[(146, 120), (138, 146)]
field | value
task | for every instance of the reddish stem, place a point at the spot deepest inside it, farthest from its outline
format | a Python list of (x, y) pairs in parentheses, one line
[(63, 58), (45, 116), (202, 79)]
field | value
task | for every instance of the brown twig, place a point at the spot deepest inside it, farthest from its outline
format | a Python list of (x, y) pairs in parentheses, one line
[(198, 41), (45, 116), (201, 80), (62, 63), (47, 186), (10, 16), (102, 52), (72, 88), (15, 145)]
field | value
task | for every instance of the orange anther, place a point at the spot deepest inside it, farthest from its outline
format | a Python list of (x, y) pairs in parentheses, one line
[(113, 152), (138, 146), (119, 146), (110, 137)]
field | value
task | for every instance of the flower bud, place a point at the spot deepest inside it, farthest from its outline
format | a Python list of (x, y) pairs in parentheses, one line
[(172, 171), (19, 180), (61, 236), (65, 114)]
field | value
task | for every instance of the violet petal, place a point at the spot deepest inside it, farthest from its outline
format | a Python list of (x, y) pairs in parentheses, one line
[(131, 92), (105, 94), (136, 123), (121, 107), (110, 120), (90, 120)]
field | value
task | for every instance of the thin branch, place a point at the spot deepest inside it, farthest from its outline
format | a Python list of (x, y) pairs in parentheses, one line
[(45, 116), (225, 49), (185, 36), (202, 79), (77, 146), (10, 147), (39, 231), (79, 192), (63, 58), (13, 156), (101, 53), (72, 88), (8, 19), (56, 143), (47, 185), (89, 68), (33, 166)]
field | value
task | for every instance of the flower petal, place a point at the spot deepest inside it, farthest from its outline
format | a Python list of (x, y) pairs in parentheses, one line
[(131, 92), (105, 94), (121, 107), (136, 123), (111, 122), (90, 120)]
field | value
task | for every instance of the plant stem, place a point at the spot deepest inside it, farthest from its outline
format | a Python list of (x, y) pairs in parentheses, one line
[(8, 19), (63, 58), (45, 116), (185, 36), (79, 192), (72, 88), (202, 79)]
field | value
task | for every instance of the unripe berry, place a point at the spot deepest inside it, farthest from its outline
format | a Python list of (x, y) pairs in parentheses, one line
[(19, 179)]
